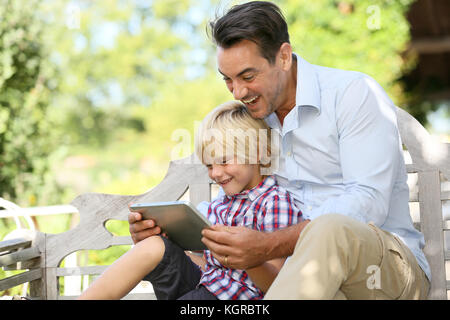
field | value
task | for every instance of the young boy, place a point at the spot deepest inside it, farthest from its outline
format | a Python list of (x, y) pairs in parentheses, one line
[(251, 199)]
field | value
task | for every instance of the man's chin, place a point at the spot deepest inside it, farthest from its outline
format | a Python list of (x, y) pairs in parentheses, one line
[(257, 113)]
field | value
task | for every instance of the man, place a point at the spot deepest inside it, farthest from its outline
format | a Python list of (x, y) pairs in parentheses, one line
[(341, 158)]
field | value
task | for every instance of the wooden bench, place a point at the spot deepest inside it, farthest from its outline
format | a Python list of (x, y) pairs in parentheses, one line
[(42, 255)]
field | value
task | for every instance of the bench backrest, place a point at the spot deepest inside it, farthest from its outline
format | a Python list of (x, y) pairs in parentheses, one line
[(429, 162)]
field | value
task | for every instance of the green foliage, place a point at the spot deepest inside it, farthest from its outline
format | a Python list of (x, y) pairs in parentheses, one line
[(364, 35), (26, 136)]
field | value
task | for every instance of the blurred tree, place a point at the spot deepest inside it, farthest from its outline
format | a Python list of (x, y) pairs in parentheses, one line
[(119, 55), (26, 136), (362, 35)]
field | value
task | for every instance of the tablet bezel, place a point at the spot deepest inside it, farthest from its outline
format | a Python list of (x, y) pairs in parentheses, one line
[(180, 220)]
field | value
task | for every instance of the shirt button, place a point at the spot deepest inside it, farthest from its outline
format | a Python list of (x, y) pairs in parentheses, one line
[(309, 208), (289, 154)]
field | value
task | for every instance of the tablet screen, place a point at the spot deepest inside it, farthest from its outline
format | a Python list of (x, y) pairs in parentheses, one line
[(180, 220)]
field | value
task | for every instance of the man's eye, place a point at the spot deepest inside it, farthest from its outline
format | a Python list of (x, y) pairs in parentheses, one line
[(248, 78)]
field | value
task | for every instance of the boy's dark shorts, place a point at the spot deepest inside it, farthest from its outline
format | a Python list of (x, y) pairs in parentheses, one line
[(177, 277)]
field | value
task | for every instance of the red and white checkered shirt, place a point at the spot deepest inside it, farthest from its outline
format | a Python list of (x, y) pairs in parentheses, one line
[(267, 207)]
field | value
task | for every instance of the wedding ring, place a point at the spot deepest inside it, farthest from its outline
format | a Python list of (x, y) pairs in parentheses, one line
[(226, 260)]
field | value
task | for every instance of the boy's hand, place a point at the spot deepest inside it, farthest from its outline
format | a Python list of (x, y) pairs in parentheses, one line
[(236, 247), (141, 229)]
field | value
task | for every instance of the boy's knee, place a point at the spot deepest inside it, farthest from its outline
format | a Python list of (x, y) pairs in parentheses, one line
[(152, 246)]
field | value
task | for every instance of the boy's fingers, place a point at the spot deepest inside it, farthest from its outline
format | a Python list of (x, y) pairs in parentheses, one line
[(133, 217)]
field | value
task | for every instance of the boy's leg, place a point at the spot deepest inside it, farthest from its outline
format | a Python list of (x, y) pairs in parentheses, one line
[(175, 275), (337, 253), (126, 272)]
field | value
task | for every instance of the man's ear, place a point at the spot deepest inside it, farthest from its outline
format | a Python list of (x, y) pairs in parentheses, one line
[(284, 56)]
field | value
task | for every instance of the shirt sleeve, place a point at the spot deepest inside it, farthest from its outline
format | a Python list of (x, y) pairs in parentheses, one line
[(278, 212), (369, 150)]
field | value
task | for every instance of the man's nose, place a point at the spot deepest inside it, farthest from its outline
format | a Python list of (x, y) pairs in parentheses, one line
[(239, 91)]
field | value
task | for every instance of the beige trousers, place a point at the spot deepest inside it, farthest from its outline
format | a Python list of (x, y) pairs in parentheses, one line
[(337, 257)]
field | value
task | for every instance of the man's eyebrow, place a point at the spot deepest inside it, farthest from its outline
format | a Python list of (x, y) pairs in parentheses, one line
[(240, 73)]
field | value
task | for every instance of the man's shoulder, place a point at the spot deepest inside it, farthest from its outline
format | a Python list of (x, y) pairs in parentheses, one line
[(338, 79)]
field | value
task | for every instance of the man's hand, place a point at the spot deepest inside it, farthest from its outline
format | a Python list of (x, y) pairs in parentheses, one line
[(141, 229), (236, 247)]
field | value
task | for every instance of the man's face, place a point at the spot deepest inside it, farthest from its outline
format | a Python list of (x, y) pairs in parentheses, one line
[(251, 78)]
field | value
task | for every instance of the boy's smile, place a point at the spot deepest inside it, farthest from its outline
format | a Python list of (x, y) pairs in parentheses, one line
[(235, 178)]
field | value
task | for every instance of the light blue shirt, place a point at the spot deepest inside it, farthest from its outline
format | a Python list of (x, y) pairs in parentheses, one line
[(340, 152)]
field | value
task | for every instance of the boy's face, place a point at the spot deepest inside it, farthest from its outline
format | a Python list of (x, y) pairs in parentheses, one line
[(251, 78), (233, 177)]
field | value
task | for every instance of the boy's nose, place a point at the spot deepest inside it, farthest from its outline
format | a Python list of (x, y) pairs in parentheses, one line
[(216, 171)]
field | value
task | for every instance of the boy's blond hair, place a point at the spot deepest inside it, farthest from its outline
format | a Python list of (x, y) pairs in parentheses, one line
[(230, 130)]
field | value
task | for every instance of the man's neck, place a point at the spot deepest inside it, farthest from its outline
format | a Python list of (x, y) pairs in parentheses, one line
[(291, 93)]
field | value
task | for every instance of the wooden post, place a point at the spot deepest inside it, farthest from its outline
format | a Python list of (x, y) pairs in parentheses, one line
[(433, 229)]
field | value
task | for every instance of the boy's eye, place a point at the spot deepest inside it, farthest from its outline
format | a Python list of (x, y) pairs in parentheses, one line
[(228, 161)]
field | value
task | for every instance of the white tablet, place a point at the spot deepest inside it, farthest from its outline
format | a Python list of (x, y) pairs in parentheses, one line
[(180, 220)]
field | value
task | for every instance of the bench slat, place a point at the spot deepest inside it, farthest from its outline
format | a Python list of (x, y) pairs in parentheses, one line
[(22, 255), (445, 195), (20, 278), (140, 296), (121, 240), (79, 271), (12, 244)]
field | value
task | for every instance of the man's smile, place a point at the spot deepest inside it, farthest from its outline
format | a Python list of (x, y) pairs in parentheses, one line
[(250, 101)]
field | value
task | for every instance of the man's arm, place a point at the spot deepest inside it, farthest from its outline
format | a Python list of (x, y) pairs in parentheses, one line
[(264, 274), (247, 248)]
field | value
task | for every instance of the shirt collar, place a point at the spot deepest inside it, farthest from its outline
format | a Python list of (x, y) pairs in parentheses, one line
[(255, 192), (308, 89), (307, 92)]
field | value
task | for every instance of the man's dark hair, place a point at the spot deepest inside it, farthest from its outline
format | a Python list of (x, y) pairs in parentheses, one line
[(258, 21)]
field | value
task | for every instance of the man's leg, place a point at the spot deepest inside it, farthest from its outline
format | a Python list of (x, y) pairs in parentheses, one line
[(337, 253)]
